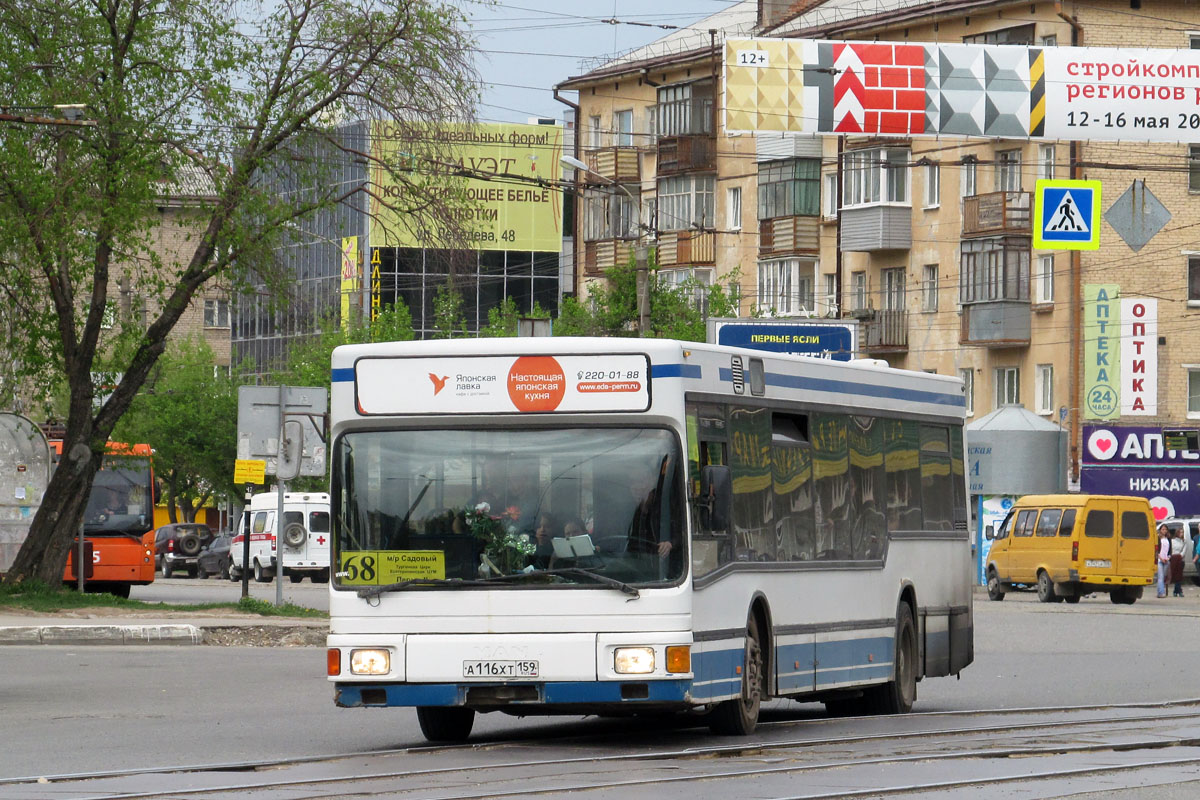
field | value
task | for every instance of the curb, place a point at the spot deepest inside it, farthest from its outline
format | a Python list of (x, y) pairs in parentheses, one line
[(102, 634)]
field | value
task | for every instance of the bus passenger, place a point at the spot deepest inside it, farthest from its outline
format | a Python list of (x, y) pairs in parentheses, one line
[(543, 535), (647, 534)]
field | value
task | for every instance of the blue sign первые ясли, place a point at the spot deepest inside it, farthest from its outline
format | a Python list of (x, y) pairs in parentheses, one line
[(834, 342)]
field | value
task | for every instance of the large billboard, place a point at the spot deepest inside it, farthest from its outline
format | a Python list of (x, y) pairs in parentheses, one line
[(1001, 91), (1133, 460), (505, 176)]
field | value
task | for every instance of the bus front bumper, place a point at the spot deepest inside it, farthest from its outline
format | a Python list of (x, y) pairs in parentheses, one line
[(489, 696)]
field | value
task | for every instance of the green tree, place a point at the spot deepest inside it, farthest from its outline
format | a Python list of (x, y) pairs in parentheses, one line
[(308, 361), (187, 411), (675, 309), (449, 321), (180, 98), (502, 319)]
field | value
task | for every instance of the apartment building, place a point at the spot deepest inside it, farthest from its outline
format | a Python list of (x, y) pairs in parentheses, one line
[(926, 241)]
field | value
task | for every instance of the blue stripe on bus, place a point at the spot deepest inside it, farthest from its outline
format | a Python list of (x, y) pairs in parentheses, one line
[(867, 660), (675, 371), (350, 695), (849, 387), (343, 375)]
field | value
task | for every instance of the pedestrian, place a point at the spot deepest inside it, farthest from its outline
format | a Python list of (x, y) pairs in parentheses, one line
[(1162, 559), (1176, 562)]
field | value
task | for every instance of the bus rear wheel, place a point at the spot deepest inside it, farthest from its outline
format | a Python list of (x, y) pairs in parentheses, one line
[(739, 717), (440, 724), (898, 695)]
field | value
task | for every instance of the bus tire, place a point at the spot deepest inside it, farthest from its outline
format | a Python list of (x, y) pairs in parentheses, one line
[(898, 695), (441, 724), (739, 717), (995, 588)]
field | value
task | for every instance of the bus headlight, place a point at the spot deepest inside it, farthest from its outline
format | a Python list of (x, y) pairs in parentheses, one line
[(370, 662), (633, 660)]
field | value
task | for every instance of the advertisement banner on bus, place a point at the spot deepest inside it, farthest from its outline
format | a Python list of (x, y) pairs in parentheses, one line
[(502, 384)]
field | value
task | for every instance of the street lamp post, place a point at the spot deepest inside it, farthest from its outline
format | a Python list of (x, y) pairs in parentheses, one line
[(641, 251)]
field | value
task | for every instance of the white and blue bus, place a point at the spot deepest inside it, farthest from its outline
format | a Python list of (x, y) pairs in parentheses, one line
[(617, 526)]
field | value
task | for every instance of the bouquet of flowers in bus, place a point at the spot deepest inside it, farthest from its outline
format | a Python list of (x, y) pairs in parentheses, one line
[(505, 551)]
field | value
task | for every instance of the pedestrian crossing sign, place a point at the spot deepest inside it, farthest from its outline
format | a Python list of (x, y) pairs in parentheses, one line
[(1066, 215)]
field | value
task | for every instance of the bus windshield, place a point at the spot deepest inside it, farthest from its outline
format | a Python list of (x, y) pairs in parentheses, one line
[(120, 500), (512, 508)]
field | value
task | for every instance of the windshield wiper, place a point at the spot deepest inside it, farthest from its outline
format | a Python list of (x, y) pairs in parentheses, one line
[(596, 576), (367, 592)]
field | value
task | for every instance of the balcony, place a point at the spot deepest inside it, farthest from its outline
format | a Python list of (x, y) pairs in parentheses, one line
[(686, 248), (996, 324), (695, 152), (785, 236), (996, 213), (604, 254), (885, 331), (617, 164), (866, 229)]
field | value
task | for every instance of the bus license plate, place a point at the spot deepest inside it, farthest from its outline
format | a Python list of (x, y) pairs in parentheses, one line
[(1099, 563), (500, 669)]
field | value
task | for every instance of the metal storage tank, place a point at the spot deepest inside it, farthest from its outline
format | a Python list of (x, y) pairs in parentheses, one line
[(1013, 451)]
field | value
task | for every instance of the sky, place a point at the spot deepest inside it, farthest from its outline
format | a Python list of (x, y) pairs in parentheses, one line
[(527, 46)]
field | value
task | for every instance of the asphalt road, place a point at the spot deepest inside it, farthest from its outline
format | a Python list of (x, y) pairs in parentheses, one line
[(70, 709)]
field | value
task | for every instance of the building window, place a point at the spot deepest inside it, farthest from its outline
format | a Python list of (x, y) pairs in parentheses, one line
[(595, 132), (609, 215), (858, 291), (1194, 279), (685, 109), (785, 287), (216, 314), (1018, 34), (685, 201), (994, 269), (1193, 43), (1008, 386), (830, 197), (1044, 282), (623, 125), (1193, 168), (1046, 162), (1045, 389), (1193, 407), (929, 288), (1049, 41), (831, 294), (875, 176), (933, 187), (970, 173), (893, 288), (967, 376), (1008, 171), (733, 208), (693, 279), (789, 188)]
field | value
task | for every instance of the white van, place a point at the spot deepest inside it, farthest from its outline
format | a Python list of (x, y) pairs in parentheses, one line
[(305, 537)]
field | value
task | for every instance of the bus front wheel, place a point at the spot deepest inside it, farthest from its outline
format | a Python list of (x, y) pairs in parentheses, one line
[(440, 724), (739, 717)]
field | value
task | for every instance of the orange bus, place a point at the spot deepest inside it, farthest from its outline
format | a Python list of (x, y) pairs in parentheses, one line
[(118, 522)]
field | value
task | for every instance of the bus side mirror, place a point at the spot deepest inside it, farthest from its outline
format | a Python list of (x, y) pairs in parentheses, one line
[(989, 533), (716, 497)]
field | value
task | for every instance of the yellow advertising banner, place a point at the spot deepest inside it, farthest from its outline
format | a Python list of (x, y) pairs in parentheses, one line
[(497, 168), (349, 276)]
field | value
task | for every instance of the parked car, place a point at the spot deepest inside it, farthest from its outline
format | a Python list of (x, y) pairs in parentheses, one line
[(176, 547), (215, 559), (1191, 531)]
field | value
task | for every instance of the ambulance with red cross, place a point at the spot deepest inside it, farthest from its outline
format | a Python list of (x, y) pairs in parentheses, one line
[(305, 534)]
